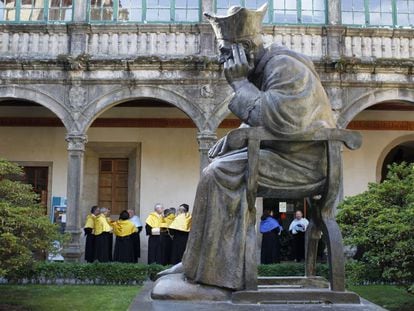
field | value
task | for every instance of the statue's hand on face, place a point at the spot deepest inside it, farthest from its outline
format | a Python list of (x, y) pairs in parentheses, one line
[(237, 68)]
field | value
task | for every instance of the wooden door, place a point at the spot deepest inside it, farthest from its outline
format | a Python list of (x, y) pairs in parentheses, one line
[(38, 177), (113, 184)]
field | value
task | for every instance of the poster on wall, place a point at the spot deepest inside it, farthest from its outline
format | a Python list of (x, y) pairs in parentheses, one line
[(58, 216)]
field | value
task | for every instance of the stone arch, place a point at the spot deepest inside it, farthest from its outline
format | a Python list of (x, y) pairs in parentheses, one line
[(218, 115), (109, 100), (372, 98), (41, 98), (394, 143)]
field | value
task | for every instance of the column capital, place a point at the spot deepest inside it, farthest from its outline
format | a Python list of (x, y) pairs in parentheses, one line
[(206, 140), (76, 142)]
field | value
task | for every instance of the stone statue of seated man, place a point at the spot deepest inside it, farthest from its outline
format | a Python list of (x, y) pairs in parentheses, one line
[(274, 88)]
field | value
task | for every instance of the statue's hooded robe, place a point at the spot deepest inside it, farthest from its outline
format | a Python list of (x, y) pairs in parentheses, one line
[(285, 96)]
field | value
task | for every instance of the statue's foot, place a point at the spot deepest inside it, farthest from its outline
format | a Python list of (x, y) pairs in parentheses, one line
[(178, 268), (176, 287)]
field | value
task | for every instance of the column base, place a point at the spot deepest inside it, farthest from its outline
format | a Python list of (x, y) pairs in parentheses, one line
[(72, 251)]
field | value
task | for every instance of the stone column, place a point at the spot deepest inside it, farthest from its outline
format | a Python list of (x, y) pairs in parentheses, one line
[(80, 14), (205, 141), (208, 7), (334, 30), (76, 150), (334, 12)]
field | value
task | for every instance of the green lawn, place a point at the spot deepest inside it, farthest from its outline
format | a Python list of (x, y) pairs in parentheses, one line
[(114, 298), (389, 297), (66, 297)]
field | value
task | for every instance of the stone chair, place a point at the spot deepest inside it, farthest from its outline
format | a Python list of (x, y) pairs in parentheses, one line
[(322, 218)]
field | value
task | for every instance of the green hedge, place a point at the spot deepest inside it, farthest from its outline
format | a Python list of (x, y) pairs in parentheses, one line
[(123, 273), (290, 269), (95, 273)]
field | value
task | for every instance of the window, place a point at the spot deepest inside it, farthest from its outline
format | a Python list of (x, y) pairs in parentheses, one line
[(405, 12), (34, 10), (282, 11), (166, 11), (398, 13)]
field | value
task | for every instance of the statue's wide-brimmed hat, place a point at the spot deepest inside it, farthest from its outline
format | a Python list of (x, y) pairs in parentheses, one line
[(240, 23)]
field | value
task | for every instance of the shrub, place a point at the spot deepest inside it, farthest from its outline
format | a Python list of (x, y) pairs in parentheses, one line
[(24, 229), (128, 273), (97, 273), (379, 221)]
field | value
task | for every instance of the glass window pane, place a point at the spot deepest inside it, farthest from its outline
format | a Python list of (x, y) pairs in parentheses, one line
[(252, 4), (359, 19), (346, 5), (386, 19), (403, 20), (60, 10), (278, 4), (290, 5), (347, 18), (358, 5), (307, 4), (402, 6), (180, 3), (9, 10), (319, 5), (375, 18)]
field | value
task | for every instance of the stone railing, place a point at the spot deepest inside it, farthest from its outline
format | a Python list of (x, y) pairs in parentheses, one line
[(130, 41), (34, 41), (378, 43), (307, 40), (152, 40)]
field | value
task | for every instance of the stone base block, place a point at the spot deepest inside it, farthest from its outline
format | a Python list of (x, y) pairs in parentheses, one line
[(291, 296), (292, 281)]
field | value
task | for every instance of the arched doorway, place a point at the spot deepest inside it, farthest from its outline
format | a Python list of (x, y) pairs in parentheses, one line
[(33, 136), (403, 152)]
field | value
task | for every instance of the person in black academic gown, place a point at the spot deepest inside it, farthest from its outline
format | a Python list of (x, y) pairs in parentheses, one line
[(166, 237), (152, 229), (89, 233), (179, 230), (103, 236), (270, 228), (124, 244), (135, 236)]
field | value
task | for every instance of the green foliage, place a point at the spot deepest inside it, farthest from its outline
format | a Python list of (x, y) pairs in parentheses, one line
[(24, 229), (290, 269), (380, 221), (131, 273), (96, 273)]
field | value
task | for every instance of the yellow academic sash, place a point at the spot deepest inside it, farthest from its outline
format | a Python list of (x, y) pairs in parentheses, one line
[(90, 221), (123, 228), (182, 222), (166, 221), (154, 220), (101, 225)]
